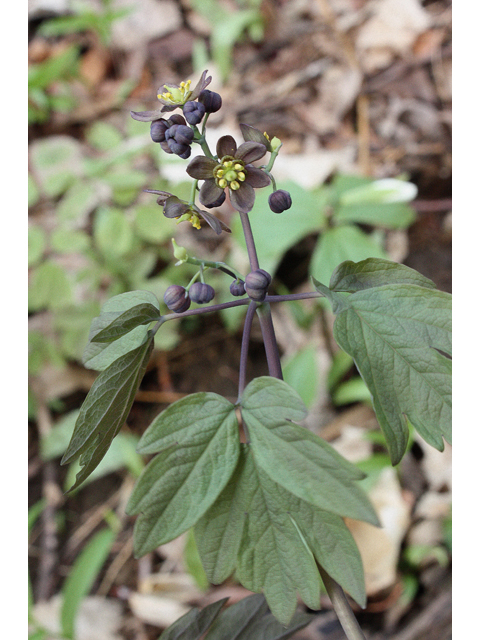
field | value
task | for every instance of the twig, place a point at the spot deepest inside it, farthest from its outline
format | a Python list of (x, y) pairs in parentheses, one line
[(342, 608)]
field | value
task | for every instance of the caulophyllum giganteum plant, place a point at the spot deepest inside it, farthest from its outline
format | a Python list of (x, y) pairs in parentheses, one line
[(266, 497)]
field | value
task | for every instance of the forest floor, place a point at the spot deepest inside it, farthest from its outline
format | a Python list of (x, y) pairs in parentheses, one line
[(350, 87)]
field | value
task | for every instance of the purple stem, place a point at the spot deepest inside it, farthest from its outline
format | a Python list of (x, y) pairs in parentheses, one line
[(249, 241), (252, 307)]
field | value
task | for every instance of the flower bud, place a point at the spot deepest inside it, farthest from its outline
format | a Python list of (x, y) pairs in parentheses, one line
[(201, 293), (279, 201), (193, 112), (158, 129), (237, 288), (211, 101), (256, 284), (176, 298)]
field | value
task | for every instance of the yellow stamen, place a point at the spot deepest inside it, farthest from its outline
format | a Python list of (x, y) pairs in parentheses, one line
[(222, 183), (238, 167), (234, 185), (241, 176)]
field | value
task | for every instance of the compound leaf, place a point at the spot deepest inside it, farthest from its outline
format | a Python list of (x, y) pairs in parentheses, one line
[(197, 438), (296, 458), (106, 408), (398, 335)]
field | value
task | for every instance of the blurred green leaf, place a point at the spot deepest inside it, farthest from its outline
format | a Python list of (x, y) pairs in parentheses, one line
[(193, 563), (151, 225), (341, 364), (81, 578), (103, 136), (112, 232), (58, 67), (69, 241), (33, 192), (353, 390), (78, 201), (56, 163), (390, 215), (301, 373), (49, 287), (37, 241), (337, 244)]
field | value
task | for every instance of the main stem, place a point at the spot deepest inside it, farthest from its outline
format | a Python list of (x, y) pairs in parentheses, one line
[(342, 608), (337, 596), (263, 310)]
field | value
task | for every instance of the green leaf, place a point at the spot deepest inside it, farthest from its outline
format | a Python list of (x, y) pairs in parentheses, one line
[(106, 408), (36, 244), (385, 191), (33, 193), (374, 272), (396, 334), (49, 287), (259, 526), (56, 162), (353, 390), (81, 578), (98, 355), (218, 533), (121, 454), (144, 313), (273, 556), (197, 438), (151, 225), (80, 199), (296, 458), (301, 373), (112, 232), (103, 136), (250, 619), (342, 243), (193, 624), (69, 241), (193, 563), (390, 215)]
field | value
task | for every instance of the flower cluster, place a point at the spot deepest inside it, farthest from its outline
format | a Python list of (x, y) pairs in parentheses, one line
[(230, 170)]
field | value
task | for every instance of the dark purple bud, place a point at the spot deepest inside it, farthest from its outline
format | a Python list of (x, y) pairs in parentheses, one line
[(158, 129), (217, 202), (177, 148), (176, 119), (237, 288), (180, 133), (211, 101), (176, 298), (186, 154), (256, 284), (201, 293), (193, 112), (279, 201)]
